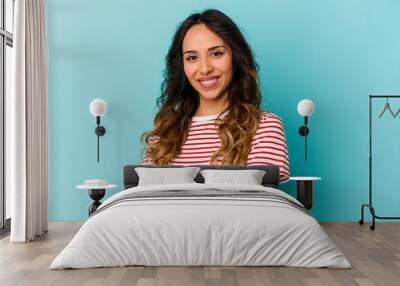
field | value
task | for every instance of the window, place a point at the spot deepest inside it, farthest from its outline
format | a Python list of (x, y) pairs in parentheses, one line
[(6, 61)]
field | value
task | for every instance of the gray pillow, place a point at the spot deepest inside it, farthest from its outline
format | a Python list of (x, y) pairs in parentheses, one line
[(163, 176), (248, 177)]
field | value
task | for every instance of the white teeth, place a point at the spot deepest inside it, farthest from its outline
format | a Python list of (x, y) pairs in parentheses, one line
[(209, 82)]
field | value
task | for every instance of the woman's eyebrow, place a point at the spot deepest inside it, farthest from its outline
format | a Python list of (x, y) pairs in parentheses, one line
[(216, 47), (189, 52), (210, 49)]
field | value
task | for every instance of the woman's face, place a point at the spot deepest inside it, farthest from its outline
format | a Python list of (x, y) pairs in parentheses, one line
[(207, 62)]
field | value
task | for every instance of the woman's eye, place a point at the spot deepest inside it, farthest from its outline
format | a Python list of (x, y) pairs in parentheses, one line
[(217, 54), (191, 58)]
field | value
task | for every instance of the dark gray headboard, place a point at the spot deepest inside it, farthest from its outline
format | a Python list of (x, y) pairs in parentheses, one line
[(270, 179)]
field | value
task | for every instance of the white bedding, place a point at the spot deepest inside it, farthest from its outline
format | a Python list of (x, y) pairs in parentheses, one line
[(200, 231)]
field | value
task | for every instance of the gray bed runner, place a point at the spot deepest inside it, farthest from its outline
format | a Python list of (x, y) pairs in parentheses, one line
[(206, 194)]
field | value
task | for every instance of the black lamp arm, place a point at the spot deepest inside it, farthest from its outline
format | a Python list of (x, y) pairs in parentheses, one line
[(100, 131), (303, 131)]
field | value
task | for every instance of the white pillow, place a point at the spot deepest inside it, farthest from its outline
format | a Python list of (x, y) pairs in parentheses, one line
[(248, 177), (163, 176)]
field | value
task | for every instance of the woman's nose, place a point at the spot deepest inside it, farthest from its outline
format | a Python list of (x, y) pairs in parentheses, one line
[(205, 67)]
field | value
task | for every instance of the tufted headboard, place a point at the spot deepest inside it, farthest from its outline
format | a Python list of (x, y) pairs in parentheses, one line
[(270, 179)]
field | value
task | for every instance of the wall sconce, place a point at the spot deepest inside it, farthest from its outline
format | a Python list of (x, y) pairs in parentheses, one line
[(98, 108), (305, 109)]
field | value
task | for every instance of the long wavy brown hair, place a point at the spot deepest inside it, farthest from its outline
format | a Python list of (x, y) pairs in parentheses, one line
[(179, 100)]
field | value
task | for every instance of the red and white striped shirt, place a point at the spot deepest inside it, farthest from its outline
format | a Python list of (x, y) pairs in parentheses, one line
[(267, 148)]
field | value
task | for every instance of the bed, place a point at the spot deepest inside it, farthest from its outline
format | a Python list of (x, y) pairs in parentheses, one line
[(201, 224)]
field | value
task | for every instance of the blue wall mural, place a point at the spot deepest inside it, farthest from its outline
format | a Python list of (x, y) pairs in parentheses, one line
[(333, 52)]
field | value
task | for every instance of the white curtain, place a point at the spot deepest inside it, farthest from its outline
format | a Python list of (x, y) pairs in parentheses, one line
[(26, 119)]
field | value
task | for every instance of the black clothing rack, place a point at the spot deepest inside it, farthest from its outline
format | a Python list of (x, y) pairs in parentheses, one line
[(369, 205)]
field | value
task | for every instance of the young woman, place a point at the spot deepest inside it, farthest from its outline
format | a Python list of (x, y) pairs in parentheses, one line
[(210, 102)]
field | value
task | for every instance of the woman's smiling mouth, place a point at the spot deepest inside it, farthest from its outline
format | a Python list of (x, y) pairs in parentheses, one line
[(209, 82)]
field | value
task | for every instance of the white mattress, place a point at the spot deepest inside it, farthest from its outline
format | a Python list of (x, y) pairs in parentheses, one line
[(200, 231)]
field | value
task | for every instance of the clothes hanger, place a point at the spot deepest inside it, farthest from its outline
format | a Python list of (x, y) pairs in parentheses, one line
[(387, 107), (397, 113)]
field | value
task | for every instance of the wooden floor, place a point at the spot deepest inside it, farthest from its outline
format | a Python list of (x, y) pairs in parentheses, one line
[(374, 255)]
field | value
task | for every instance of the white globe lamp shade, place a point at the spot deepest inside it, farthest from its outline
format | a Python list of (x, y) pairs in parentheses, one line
[(305, 107), (98, 107)]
